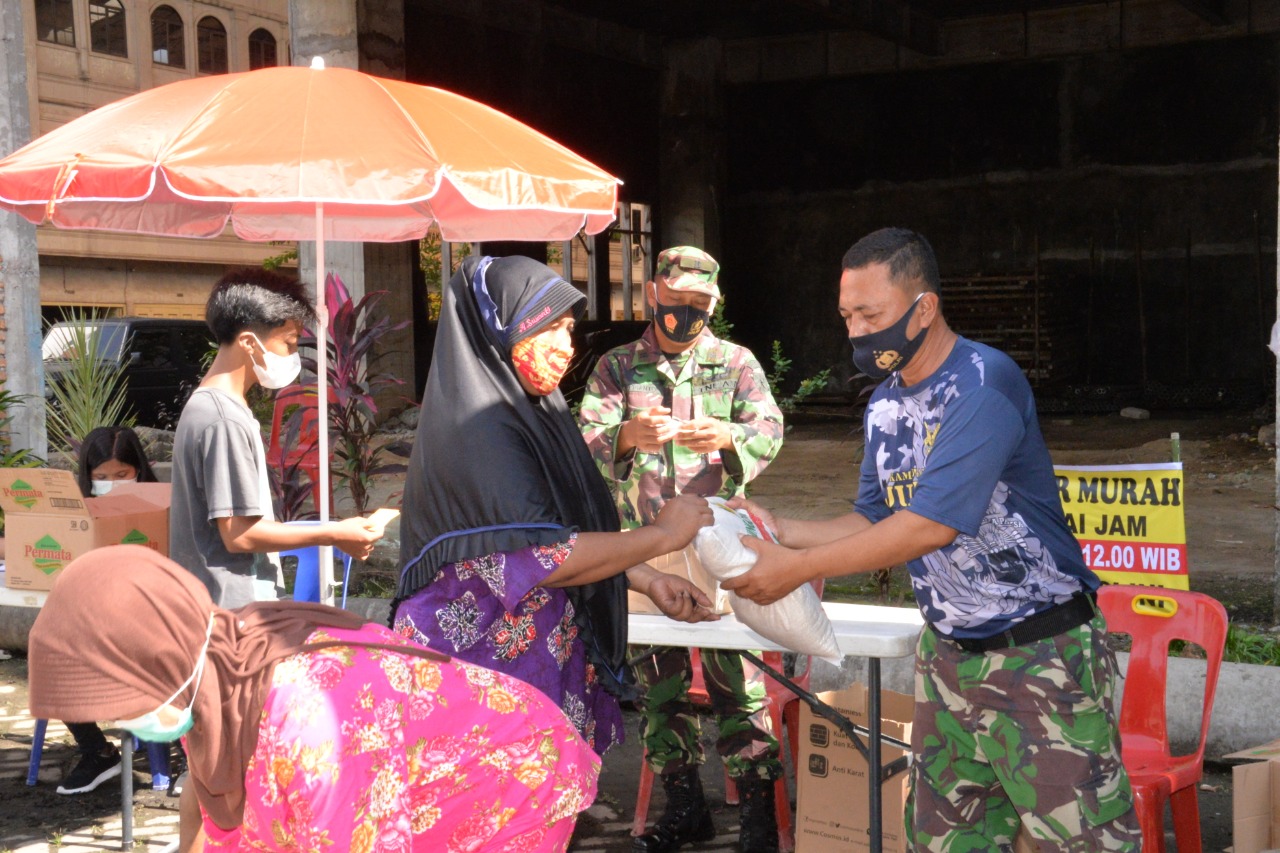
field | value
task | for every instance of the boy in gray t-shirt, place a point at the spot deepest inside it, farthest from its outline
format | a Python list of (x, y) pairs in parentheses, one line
[(222, 527)]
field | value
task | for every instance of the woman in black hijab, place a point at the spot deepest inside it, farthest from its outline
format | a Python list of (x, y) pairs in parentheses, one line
[(510, 555)]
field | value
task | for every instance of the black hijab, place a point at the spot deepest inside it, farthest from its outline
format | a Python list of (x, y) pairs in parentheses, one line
[(495, 469)]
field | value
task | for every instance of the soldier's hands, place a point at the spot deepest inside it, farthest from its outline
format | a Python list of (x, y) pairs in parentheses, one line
[(704, 435), (681, 518), (777, 571), (649, 430), (679, 599)]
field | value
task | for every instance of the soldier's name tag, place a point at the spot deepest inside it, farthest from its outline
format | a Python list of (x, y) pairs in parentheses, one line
[(714, 384)]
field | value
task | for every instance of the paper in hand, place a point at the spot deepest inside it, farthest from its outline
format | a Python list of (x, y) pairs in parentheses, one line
[(380, 518)]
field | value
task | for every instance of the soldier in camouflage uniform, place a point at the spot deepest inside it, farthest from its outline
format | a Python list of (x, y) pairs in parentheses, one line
[(1015, 724), (681, 411)]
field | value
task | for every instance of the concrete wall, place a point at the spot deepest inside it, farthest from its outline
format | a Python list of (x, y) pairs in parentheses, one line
[(1131, 179), (1126, 154), (602, 107), (579, 83)]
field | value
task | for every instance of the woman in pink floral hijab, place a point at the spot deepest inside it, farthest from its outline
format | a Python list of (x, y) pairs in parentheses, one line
[(311, 730)]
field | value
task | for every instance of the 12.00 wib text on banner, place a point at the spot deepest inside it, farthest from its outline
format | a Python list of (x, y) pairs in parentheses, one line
[(1129, 521)]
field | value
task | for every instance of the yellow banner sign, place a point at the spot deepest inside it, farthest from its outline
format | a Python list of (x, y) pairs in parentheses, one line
[(1129, 521)]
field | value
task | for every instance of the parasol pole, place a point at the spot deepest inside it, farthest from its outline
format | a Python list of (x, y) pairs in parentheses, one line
[(322, 406)]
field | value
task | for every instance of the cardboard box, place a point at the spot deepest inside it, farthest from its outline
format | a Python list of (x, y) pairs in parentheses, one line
[(685, 564), (831, 776), (48, 524), (1255, 799)]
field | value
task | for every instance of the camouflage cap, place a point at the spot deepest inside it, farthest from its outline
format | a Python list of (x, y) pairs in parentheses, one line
[(687, 268)]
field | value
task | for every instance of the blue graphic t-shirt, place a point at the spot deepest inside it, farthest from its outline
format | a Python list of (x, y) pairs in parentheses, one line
[(963, 448)]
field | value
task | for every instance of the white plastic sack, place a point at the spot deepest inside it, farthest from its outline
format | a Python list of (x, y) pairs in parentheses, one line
[(796, 621)]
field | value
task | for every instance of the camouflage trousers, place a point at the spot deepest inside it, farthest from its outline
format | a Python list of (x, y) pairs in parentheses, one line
[(1024, 736), (669, 725)]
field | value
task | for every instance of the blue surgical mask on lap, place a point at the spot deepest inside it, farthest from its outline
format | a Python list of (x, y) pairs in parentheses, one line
[(150, 728)]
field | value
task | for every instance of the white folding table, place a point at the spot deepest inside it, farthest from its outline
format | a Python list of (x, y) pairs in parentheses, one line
[(861, 630)]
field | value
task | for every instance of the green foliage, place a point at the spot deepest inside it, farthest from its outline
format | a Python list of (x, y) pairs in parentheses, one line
[(262, 402), (371, 582), (807, 388), (276, 261), (781, 367), (429, 262), (87, 391), (10, 456), (206, 360), (290, 484), (354, 384), (1245, 646), (720, 327), (890, 587)]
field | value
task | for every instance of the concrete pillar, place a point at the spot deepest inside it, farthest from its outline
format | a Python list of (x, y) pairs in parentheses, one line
[(691, 145), (367, 35), (327, 30), (389, 266), (380, 24), (21, 369), (324, 29)]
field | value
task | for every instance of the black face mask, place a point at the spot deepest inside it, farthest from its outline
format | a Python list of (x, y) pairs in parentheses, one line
[(881, 353), (680, 323)]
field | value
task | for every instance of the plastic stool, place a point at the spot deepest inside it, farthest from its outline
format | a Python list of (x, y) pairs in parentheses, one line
[(37, 750), (158, 762), (157, 758), (306, 582)]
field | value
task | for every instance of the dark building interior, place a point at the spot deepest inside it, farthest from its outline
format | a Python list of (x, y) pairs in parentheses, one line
[(1097, 179)]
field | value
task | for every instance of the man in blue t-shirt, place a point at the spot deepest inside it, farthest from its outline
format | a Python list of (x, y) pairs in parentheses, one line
[(1014, 722)]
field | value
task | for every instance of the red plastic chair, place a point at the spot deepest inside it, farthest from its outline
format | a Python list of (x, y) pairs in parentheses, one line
[(304, 449), (783, 708), (1153, 618)]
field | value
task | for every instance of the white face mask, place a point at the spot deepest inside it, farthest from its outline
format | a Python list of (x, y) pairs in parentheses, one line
[(280, 370), (101, 487)]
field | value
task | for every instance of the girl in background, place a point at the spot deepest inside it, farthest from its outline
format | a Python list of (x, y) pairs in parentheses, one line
[(108, 455)]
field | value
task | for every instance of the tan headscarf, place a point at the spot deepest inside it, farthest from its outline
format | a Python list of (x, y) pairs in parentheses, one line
[(123, 628)]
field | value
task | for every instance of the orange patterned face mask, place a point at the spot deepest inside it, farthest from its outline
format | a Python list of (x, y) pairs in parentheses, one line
[(541, 362)]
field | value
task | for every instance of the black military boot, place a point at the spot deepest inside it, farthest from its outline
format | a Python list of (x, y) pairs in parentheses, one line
[(759, 820), (685, 820)]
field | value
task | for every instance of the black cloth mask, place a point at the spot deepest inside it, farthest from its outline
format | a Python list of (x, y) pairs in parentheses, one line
[(881, 353), (680, 323), (495, 469)]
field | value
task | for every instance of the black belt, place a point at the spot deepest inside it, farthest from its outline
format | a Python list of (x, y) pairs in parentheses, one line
[(1047, 623)]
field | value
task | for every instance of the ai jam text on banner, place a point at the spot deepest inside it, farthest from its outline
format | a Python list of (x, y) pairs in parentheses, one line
[(1129, 520)]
